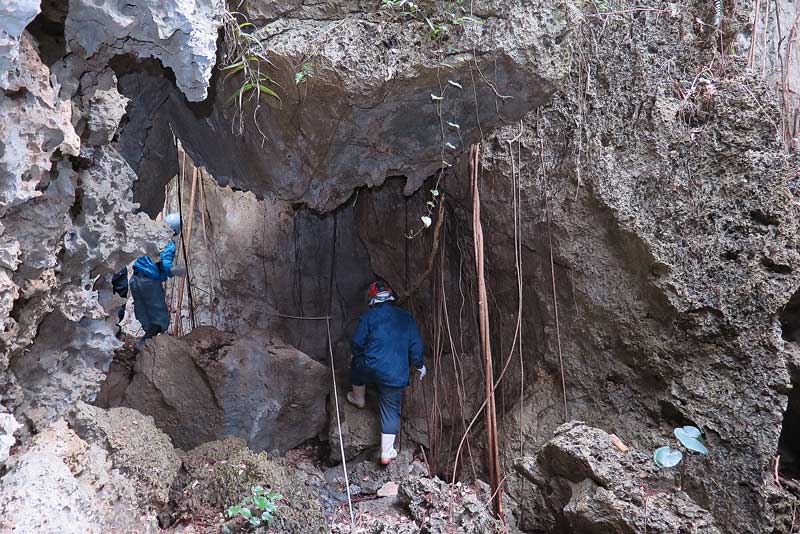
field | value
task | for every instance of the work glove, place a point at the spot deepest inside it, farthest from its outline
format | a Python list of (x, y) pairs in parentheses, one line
[(178, 271), (422, 372)]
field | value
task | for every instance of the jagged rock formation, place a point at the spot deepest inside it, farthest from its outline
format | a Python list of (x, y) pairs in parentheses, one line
[(654, 205), (55, 235), (59, 483), (586, 484), (209, 385), (15, 15), (135, 447), (366, 112), (182, 35)]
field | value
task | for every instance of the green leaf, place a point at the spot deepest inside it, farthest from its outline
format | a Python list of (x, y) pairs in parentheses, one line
[(246, 513), (266, 516), (426, 220), (270, 92), (435, 192), (689, 441), (234, 511), (260, 502), (431, 204), (274, 496), (270, 507), (692, 431), (667, 457), (239, 64), (255, 521), (258, 490)]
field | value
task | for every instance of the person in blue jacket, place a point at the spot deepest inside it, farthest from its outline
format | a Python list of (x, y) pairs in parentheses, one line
[(386, 338), (146, 285)]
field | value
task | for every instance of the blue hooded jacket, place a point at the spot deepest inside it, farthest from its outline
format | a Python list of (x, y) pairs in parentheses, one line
[(146, 266), (386, 337)]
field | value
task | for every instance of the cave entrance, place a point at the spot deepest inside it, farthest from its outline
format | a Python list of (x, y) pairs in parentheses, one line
[(790, 319), (789, 441)]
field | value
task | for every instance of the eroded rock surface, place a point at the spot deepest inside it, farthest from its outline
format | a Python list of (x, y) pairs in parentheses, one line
[(181, 34), (15, 15), (208, 385), (366, 111), (135, 447), (59, 484), (592, 486)]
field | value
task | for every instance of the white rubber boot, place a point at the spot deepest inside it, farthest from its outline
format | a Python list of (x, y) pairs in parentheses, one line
[(387, 449), (356, 397)]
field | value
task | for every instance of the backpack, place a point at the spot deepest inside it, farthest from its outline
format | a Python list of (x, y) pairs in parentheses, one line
[(119, 283)]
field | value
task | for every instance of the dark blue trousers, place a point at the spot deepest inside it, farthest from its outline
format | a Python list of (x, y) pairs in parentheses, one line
[(390, 400), (149, 304)]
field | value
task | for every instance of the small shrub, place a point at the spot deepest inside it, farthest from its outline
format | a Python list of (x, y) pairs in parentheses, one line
[(258, 509)]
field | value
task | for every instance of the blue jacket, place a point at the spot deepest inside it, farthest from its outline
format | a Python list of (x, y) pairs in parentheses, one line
[(146, 266), (386, 337)]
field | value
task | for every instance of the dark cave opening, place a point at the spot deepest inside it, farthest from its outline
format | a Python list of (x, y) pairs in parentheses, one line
[(789, 441), (790, 318)]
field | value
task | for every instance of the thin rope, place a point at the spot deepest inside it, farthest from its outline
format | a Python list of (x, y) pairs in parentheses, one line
[(327, 320), (339, 428)]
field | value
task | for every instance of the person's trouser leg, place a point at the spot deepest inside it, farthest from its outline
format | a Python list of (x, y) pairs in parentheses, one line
[(149, 306), (159, 313), (139, 294), (390, 400)]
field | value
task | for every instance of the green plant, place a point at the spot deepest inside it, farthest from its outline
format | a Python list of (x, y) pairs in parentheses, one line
[(246, 58), (305, 72), (257, 509), (689, 438)]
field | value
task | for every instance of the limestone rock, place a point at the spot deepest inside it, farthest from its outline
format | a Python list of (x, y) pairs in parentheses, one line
[(182, 35), (103, 107), (361, 427), (135, 447), (433, 506), (59, 484), (15, 15), (593, 487), (208, 385), (34, 124), (366, 112), (8, 425)]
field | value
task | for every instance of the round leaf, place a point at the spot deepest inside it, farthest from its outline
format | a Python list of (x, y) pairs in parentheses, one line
[(689, 441), (426, 220), (246, 513), (255, 521), (260, 502), (692, 431), (667, 457)]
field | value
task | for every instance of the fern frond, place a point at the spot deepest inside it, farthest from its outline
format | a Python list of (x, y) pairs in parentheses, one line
[(717, 13)]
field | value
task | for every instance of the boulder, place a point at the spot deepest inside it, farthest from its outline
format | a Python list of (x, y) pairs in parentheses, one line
[(360, 428), (208, 385), (135, 447), (591, 486), (60, 484)]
